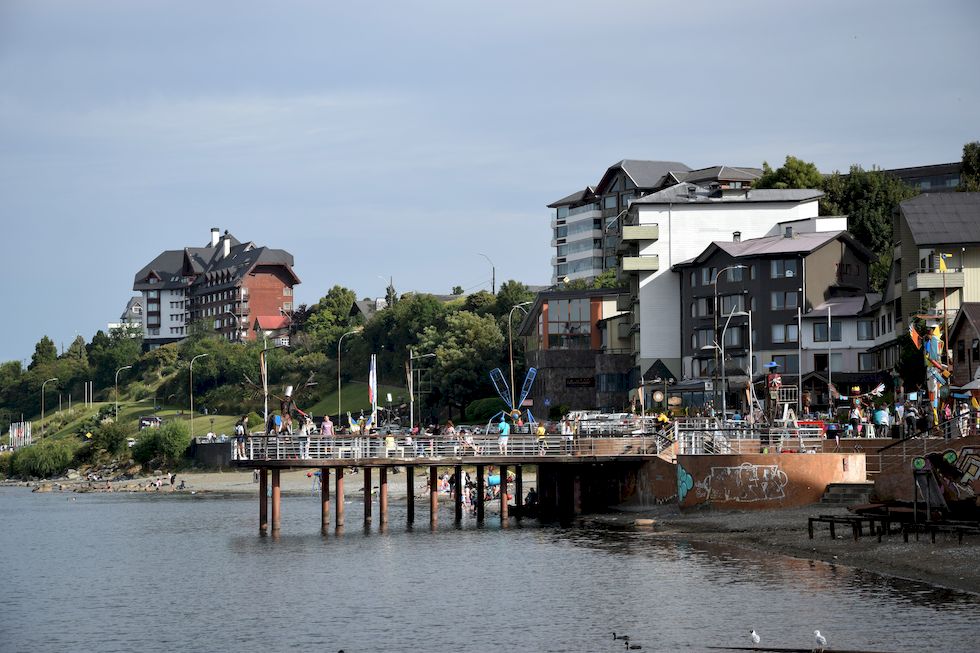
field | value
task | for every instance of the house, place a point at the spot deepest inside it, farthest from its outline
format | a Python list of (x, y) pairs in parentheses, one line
[(576, 341), (272, 327), (964, 344), (783, 285), (132, 315), (224, 285)]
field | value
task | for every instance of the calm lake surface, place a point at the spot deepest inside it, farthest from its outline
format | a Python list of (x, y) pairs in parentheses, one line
[(136, 572)]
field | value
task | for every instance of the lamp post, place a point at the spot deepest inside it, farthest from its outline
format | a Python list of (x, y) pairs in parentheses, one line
[(510, 342), (721, 348), (714, 283), (493, 273), (191, 388), (411, 390), (42, 402), (349, 333), (116, 389)]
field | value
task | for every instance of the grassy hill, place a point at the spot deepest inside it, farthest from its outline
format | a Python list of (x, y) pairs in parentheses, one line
[(354, 397)]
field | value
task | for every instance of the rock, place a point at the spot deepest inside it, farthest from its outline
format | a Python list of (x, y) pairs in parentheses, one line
[(43, 487), (73, 475), (644, 523)]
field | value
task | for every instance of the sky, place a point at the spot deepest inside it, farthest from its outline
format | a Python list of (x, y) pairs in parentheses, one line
[(406, 139)]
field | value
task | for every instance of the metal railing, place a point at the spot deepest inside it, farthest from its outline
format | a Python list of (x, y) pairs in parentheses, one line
[(931, 440), (710, 436), (305, 448)]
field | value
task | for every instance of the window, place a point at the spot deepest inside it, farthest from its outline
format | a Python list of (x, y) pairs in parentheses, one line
[(787, 363), (287, 306), (731, 303), (782, 333), (975, 350), (706, 306), (865, 329), (752, 272), (780, 268), (562, 212), (733, 337), (609, 202), (708, 275), (561, 232), (703, 337), (694, 279), (866, 362), (820, 362), (569, 324), (153, 294), (960, 351), (735, 274), (782, 300), (820, 331)]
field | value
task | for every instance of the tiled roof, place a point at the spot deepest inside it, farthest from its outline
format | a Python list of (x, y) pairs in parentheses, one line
[(943, 218)]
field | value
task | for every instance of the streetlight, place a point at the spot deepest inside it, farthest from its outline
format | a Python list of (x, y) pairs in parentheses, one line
[(191, 387), (42, 402), (411, 390), (116, 385), (510, 341), (349, 333), (493, 273), (714, 282), (265, 384), (716, 347)]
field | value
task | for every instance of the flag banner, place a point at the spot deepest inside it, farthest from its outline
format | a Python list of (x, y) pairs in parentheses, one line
[(373, 381)]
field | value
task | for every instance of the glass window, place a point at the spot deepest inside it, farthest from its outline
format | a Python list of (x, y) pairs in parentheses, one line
[(752, 272), (609, 202), (865, 330), (960, 351), (733, 337), (561, 232), (779, 333), (694, 279), (735, 274), (866, 362), (562, 212), (781, 300), (787, 363), (780, 268), (731, 303)]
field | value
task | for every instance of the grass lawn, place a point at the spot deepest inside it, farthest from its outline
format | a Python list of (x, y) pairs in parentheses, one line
[(354, 396)]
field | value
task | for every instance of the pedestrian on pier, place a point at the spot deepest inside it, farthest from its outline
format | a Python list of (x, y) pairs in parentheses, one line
[(504, 428)]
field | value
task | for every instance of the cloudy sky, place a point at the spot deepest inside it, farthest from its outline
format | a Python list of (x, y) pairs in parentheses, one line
[(402, 139)]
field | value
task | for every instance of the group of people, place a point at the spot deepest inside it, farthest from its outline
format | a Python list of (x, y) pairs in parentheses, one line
[(884, 420)]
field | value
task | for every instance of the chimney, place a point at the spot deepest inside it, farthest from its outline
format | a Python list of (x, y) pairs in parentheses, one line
[(789, 232), (214, 236), (737, 237), (226, 246)]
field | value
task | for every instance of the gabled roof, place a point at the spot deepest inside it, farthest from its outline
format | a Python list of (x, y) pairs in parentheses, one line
[(270, 323), (969, 312), (720, 173), (943, 218), (681, 194), (839, 307), (645, 174), (578, 197), (801, 243)]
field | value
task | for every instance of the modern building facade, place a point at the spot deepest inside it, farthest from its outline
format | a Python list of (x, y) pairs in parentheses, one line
[(224, 285)]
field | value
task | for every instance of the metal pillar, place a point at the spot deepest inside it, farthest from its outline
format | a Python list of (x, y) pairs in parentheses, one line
[(383, 495), (263, 501), (276, 495), (458, 497), (339, 494), (519, 490), (324, 498), (503, 495), (480, 489), (367, 495), (410, 494), (433, 495)]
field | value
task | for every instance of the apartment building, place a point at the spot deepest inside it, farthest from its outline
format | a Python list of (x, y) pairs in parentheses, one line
[(225, 285)]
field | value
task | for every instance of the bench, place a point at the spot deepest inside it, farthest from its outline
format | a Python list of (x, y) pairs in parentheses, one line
[(856, 522)]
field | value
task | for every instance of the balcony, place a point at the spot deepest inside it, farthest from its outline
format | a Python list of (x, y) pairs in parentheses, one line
[(934, 280), (649, 263), (641, 232)]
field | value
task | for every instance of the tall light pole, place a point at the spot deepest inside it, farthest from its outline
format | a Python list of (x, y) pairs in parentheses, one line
[(714, 283), (42, 402), (493, 273), (411, 390), (721, 348), (116, 387), (265, 384), (191, 388), (510, 341), (340, 340)]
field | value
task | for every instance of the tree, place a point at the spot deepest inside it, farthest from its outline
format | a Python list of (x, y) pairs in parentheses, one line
[(970, 172), (794, 173), (457, 290), (391, 295), (481, 302), (77, 350), (44, 352), (511, 294), (607, 279)]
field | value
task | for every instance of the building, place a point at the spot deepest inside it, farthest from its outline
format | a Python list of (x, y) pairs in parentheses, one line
[(936, 178), (964, 343), (132, 315), (576, 340), (677, 224), (786, 282), (224, 285)]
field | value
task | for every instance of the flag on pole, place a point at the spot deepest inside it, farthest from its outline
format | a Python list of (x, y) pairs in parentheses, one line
[(373, 386), (942, 262)]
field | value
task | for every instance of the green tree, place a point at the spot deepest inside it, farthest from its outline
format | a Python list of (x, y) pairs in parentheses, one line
[(511, 293), (794, 173), (481, 302), (970, 172), (77, 350), (457, 290), (44, 352), (391, 295), (607, 279)]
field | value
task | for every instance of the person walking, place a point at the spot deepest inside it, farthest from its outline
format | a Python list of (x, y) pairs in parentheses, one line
[(566, 435), (542, 440), (504, 429)]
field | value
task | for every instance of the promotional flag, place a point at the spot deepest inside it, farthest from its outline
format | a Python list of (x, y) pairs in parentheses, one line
[(373, 387)]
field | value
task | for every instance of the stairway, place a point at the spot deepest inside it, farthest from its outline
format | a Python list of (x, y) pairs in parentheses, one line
[(846, 494)]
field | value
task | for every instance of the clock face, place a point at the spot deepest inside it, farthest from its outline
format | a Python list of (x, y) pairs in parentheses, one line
[(658, 396)]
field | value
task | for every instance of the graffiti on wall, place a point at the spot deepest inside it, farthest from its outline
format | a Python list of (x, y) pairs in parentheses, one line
[(743, 484), (967, 461), (684, 483)]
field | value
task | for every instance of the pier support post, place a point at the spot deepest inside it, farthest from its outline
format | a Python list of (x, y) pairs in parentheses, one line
[(276, 504), (383, 495), (339, 493), (324, 499), (263, 501), (458, 498), (503, 496), (519, 490), (367, 495), (410, 494), (433, 495), (480, 489)]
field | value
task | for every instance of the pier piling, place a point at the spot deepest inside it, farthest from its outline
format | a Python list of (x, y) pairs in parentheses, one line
[(263, 501), (458, 490), (410, 494), (433, 495), (276, 501), (480, 489), (339, 493), (383, 495), (324, 499), (367, 495)]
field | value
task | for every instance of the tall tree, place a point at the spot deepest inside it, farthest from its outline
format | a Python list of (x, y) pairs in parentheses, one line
[(44, 352), (77, 350), (794, 173), (510, 294), (970, 172)]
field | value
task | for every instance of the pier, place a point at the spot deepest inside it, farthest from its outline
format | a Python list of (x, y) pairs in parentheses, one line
[(572, 475)]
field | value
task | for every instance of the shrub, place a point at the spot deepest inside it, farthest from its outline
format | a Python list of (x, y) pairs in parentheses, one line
[(146, 446), (45, 459), (111, 438), (481, 410), (255, 422), (169, 442), (5, 459)]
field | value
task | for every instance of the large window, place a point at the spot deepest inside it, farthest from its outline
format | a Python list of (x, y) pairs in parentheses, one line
[(562, 212), (836, 362), (780, 268), (820, 331), (561, 232), (866, 362), (609, 202), (569, 324), (708, 275), (733, 337), (731, 303), (735, 274), (787, 363), (866, 329), (782, 333), (781, 300)]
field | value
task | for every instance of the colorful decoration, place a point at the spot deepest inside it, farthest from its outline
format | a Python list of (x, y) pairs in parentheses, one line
[(937, 372)]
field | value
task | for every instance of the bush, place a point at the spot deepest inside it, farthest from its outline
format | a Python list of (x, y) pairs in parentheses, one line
[(255, 422), (43, 460), (111, 438), (169, 442), (146, 446), (5, 459), (481, 410)]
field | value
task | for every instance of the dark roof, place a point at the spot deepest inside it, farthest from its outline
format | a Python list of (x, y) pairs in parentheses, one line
[(578, 197), (839, 307), (720, 173), (970, 312), (943, 218), (681, 194), (645, 174), (801, 243)]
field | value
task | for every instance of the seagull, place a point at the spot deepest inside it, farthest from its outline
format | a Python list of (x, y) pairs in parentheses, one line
[(821, 640), (755, 637)]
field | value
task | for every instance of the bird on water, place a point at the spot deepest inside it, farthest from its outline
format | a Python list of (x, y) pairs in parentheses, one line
[(821, 640), (622, 637), (755, 637), (631, 647)]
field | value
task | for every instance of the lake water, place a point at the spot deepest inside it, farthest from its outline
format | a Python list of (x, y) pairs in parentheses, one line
[(136, 572)]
